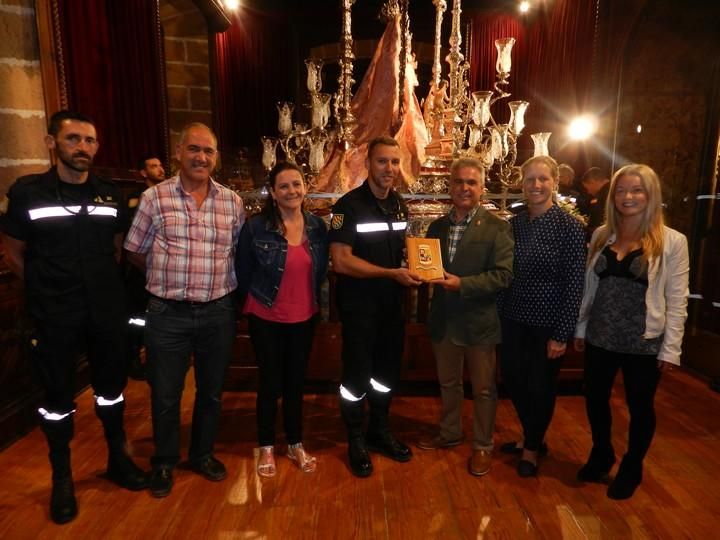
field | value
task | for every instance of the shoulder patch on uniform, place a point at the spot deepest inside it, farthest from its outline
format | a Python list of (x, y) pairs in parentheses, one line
[(337, 221)]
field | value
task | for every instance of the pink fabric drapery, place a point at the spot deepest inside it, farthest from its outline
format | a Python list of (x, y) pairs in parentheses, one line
[(375, 107)]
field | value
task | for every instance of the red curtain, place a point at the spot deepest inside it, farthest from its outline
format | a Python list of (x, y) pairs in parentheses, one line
[(252, 67), (114, 67), (552, 65)]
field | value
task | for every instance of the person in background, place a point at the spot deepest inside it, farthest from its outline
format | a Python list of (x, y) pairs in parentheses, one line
[(281, 261), (151, 170), (477, 253), (184, 236), (367, 242), (566, 182), (62, 235), (540, 308), (596, 185), (632, 320)]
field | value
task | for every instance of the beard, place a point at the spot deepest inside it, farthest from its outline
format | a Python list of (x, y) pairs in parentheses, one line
[(74, 163)]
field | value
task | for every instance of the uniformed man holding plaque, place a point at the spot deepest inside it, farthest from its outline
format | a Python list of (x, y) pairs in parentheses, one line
[(367, 237)]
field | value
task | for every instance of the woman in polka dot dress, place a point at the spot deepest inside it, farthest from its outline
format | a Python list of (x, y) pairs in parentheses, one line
[(632, 319), (540, 308)]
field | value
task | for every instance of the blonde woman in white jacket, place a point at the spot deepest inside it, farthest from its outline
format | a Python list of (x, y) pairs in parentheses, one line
[(632, 319)]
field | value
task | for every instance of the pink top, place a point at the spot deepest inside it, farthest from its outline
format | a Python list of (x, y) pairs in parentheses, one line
[(294, 301)]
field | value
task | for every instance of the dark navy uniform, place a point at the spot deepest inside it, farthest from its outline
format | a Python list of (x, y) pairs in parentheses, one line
[(73, 284), (371, 309)]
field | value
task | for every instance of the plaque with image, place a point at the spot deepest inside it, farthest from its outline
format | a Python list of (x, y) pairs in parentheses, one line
[(424, 257)]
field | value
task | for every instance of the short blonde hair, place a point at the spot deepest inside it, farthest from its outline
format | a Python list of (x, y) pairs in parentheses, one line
[(543, 160)]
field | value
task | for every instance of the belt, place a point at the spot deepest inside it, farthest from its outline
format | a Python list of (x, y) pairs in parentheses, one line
[(192, 303)]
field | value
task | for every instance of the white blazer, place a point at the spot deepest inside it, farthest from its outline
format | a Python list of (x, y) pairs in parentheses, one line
[(666, 297)]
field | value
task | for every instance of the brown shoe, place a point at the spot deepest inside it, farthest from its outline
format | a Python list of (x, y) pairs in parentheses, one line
[(479, 462), (437, 442)]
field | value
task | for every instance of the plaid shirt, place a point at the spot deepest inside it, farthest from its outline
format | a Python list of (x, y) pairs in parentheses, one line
[(457, 229), (190, 250)]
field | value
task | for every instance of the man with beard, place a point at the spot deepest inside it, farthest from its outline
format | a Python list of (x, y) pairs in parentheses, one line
[(62, 235), (367, 240), (152, 172), (184, 236)]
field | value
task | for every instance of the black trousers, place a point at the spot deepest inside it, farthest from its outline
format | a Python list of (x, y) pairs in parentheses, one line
[(530, 377), (56, 348), (641, 377), (282, 351), (373, 332)]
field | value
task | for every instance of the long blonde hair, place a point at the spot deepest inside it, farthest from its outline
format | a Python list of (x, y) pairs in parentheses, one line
[(651, 227)]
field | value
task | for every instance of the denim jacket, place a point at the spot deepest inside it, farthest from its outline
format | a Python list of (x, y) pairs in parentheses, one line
[(261, 253)]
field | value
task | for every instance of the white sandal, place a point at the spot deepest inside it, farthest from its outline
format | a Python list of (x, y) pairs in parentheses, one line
[(302, 459), (266, 462)]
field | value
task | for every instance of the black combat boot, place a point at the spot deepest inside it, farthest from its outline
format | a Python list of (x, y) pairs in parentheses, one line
[(59, 433), (121, 470), (379, 437), (353, 413)]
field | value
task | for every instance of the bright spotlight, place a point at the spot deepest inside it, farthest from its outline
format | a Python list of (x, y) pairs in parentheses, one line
[(524, 7), (232, 5), (582, 127)]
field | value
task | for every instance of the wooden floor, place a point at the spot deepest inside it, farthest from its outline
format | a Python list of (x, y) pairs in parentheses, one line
[(432, 496)]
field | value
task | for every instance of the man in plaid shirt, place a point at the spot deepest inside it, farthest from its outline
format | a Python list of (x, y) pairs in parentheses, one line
[(183, 236)]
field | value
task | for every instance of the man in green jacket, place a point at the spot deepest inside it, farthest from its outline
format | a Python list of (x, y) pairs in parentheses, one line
[(477, 251)]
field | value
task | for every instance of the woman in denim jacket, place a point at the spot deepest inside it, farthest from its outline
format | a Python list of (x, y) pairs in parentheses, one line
[(631, 319), (281, 261)]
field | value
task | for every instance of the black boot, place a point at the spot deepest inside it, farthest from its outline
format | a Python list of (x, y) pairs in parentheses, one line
[(353, 413), (63, 506), (121, 470), (597, 467), (626, 480), (379, 437)]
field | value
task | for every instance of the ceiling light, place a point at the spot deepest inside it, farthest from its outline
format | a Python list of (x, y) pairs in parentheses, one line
[(582, 127)]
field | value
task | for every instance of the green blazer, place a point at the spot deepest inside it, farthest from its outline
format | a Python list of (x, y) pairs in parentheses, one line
[(484, 263)]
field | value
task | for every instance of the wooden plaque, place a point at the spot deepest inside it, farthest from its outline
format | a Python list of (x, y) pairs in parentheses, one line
[(424, 257)]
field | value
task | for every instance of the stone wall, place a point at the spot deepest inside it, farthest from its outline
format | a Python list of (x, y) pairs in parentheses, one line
[(666, 88), (186, 64), (22, 107)]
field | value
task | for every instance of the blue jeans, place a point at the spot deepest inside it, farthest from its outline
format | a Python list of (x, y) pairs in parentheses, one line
[(174, 331)]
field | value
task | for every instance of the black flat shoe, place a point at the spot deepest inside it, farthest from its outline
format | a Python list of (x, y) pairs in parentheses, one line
[(161, 482), (513, 448), (626, 481), (210, 468), (526, 469)]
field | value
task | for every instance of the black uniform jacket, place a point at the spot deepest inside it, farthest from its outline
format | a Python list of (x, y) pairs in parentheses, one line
[(69, 231), (376, 231)]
